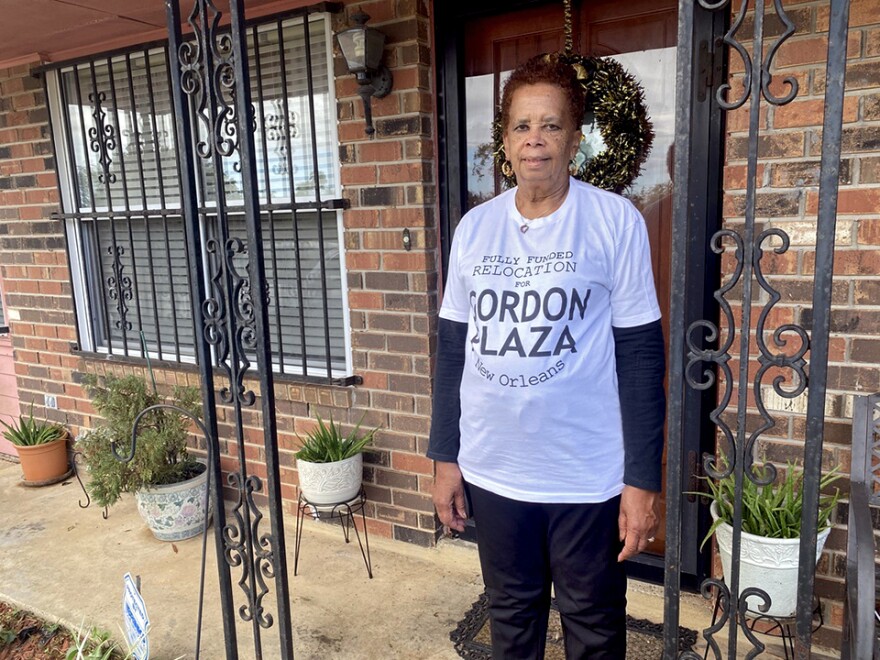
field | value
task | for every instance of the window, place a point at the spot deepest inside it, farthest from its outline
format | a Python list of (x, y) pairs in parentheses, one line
[(115, 135)]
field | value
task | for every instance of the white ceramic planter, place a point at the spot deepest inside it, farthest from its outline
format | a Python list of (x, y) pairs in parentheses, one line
[(176, 511), (769, 564), (331, 483)]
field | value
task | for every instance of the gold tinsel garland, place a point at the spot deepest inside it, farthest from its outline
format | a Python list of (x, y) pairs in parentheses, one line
[(617, 102)]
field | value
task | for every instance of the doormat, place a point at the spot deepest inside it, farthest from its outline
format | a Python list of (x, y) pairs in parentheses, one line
[(644, 639)]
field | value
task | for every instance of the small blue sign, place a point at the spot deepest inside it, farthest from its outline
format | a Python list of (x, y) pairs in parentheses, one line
[(137, 623)]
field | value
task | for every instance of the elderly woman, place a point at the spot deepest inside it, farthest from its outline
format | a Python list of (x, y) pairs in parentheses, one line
[(549, 404)]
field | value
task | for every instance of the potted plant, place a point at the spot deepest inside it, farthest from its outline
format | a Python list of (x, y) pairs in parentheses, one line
[(169, 484), (330, 463), (41, 447), (770, 541)]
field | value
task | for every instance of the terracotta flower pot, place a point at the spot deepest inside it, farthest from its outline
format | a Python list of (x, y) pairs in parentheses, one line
[(44, 464)]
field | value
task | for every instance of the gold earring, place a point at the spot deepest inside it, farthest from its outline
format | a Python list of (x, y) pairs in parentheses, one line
[(507, 169)]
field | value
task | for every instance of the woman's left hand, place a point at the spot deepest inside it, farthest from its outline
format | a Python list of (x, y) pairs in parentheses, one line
[(638, 520)]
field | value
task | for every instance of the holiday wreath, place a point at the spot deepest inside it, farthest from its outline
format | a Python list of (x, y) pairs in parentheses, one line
[(617, 104)]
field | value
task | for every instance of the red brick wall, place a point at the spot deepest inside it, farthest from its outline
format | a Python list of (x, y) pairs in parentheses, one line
[(787, 197), (33, 260)]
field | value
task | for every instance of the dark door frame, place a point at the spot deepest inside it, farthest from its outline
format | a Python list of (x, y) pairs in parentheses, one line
[(706, 188)]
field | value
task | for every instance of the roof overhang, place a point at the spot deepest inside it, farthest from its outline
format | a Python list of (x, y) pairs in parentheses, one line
[(45, 31)]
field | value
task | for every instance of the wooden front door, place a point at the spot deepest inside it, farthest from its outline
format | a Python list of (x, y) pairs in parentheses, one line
[(640, 34)]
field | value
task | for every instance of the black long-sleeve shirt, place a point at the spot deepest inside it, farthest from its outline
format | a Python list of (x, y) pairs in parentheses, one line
[(640, 363)]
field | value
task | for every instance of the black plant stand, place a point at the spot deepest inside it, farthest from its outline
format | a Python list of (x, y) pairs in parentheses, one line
[(345, 512), (772, 626)]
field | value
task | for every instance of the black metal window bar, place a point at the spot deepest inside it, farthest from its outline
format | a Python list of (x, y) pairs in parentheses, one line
[(702, 349), (115, 125)]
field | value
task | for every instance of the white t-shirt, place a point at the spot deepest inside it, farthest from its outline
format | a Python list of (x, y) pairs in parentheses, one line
[(540, 414)]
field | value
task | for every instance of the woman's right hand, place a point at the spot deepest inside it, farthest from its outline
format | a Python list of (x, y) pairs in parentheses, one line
[(449, 495)]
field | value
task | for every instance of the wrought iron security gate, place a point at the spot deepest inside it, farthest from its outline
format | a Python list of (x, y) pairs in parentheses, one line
[(701, 349), (211, 84)]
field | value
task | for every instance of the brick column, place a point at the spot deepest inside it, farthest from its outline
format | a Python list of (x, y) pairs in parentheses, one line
[(390, 183)]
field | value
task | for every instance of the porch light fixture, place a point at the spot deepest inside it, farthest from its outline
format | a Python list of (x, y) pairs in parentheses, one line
[(362, 48)]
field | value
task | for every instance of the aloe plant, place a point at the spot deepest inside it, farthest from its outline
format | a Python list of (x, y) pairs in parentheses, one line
[(773, 510), (29, 432), (326, 443)]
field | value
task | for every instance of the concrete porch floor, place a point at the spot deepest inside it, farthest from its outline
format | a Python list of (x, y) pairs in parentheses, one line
[(67, 564)]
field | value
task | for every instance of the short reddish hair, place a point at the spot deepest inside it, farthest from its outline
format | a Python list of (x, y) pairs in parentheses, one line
[(545, 69)]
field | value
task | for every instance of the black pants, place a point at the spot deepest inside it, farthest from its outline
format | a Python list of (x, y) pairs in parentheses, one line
[(524, 547)]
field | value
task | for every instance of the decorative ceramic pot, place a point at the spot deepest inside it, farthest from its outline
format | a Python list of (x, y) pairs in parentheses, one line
[(765, 563), (44, 464), (331, 483), (174, 512)]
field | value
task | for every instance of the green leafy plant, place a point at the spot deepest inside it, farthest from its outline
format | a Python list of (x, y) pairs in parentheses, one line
[(771, 511), (93, 644), (326, 443), (7, 636), (161, 456), (29, 432)]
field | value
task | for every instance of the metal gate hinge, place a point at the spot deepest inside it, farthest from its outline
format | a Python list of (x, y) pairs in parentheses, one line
[(695, 472), (705, 70)]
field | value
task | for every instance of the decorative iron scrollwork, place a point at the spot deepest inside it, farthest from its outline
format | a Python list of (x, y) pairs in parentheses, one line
[(196, 80), (712, 346), (712, 6), (207, 85), (757, 646), (226, 123), (245, 335), (214, 307), (730, 40), (237, 544), (702, 354), (241, 551), (766, 76), (119, 287), (192, 79), (262, 554), (102, 137), (767, 359), (207, 76), (719, 356), (723, 606)]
